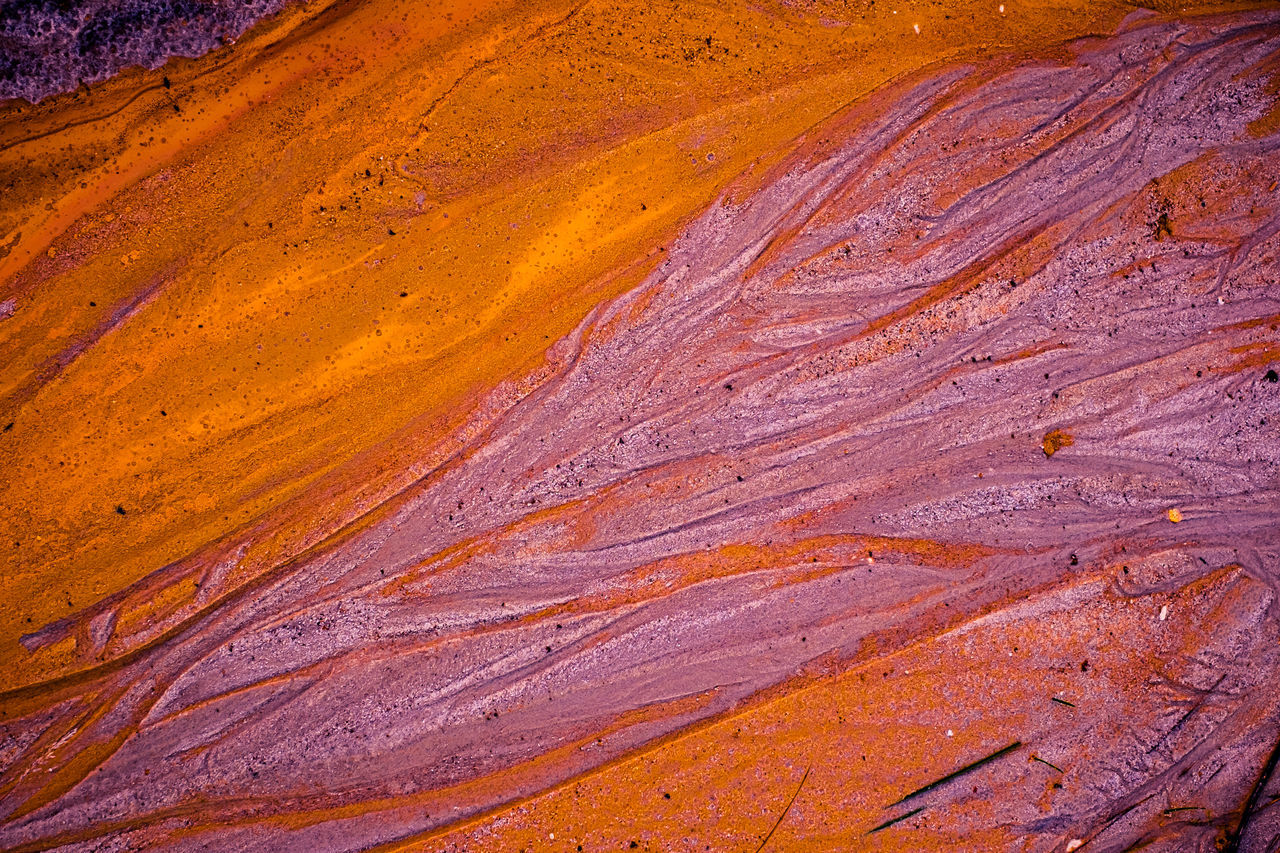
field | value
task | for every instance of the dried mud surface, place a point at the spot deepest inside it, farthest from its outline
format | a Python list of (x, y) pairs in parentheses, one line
[(919, 492)]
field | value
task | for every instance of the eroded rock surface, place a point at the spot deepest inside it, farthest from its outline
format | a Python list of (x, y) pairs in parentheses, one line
[(951, 430)]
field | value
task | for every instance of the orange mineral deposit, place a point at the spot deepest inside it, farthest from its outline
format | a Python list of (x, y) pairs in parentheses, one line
[(606, 425)]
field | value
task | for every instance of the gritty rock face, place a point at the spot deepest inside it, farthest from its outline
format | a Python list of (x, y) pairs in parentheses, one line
[(53, 46), (932, 389)]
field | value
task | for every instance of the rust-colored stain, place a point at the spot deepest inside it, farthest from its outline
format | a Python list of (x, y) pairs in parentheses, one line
[(214, 291), (615, 425), (1055, 440), (1049, 675)]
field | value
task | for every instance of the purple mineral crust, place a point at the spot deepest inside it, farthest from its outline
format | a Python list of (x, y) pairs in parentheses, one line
[(53, 46), (866, 345)]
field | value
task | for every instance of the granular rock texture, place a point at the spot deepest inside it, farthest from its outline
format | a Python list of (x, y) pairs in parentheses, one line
[(923, 492), (53, 46)]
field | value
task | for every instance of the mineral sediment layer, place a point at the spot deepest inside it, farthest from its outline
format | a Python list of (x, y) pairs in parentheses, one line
[(53, 46), (654, 427)]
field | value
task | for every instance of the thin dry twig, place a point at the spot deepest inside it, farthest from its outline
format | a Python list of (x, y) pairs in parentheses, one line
[(782, 816), (968, 768)]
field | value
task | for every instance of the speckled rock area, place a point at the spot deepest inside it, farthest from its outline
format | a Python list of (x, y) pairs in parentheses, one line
[(53, 46), (922, 492)]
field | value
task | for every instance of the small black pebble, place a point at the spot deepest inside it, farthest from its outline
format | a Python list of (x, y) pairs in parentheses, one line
[(120, 509), (8, 426), (1075, 561), (1272, 376)]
